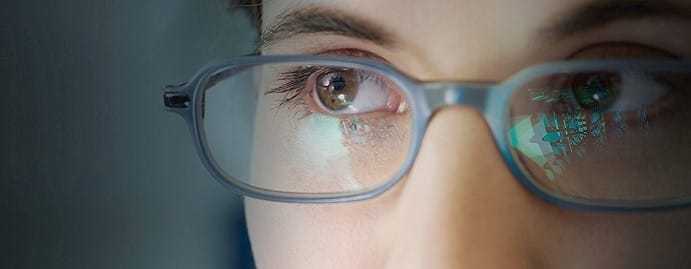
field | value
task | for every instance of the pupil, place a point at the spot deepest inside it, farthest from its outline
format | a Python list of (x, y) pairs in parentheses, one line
[(338, 84), (336, 91), (595, 93)]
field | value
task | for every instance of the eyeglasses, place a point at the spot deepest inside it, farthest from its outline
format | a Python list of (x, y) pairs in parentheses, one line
[(595, 135)]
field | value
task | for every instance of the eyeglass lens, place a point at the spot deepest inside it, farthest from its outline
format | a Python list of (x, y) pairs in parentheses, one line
[(601, 135), (308, 128), (605, 135)]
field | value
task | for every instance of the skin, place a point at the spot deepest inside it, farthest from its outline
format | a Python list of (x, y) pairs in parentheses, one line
[(459, 206)]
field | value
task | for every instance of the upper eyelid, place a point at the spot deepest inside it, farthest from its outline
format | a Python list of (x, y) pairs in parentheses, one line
[(624, 45)]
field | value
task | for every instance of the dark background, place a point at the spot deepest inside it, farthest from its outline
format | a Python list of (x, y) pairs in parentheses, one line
[(94, 173)]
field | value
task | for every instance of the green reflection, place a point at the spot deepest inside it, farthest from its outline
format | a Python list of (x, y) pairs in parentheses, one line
[(552, 139)]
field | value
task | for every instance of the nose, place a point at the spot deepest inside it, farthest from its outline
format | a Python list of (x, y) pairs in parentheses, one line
[(460, 207)]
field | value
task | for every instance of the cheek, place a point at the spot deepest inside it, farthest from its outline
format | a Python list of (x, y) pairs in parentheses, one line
[(662, 239), (598, 240), (320, 153), (316, 236), (300, 154), (352, 235), (377, 146)]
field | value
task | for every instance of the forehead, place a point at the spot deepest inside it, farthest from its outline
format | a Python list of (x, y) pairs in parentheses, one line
[(447, 11), (450, 17), (437, 29)]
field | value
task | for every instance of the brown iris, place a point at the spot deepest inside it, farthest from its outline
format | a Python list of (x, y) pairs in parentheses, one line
[(337, 89)]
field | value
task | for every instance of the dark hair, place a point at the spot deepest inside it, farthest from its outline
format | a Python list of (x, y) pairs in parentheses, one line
[(252, 7)]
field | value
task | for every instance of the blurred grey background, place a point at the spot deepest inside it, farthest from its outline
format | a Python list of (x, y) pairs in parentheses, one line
[(94, 173)]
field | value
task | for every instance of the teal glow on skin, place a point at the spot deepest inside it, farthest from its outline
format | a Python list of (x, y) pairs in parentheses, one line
[(323, 144)]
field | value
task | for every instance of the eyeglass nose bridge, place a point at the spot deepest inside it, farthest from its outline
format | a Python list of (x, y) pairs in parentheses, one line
[(441, 94), (487, 98)]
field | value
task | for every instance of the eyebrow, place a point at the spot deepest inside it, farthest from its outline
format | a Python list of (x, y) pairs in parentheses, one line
[(313, 20), (600, 13)]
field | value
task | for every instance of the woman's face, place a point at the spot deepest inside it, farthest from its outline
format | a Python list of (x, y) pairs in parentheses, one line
[(459, 206)]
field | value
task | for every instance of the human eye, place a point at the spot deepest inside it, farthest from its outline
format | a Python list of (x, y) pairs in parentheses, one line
[(606, 133), (629, 92), (337, 91), (638, 95)]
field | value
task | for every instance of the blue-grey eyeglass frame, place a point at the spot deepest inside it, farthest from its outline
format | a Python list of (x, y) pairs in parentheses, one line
[(491, 99)]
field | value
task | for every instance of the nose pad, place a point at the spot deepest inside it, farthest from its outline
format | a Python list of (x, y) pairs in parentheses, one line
[(460, 204)]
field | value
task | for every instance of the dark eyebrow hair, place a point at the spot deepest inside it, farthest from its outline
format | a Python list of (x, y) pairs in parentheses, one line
[(311, 20), (600, 13)]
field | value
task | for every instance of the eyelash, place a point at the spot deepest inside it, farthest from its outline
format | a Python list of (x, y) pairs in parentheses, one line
[(293, 86), (294, 82)]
